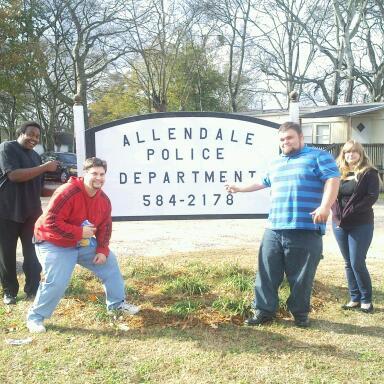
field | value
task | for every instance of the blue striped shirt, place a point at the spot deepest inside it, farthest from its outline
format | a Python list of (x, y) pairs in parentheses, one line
[(297, 185)]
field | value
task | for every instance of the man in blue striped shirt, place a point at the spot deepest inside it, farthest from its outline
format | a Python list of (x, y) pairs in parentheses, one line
[(304, 183)]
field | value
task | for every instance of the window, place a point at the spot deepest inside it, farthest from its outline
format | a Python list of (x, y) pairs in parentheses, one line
[(307, 133), (322, 134)]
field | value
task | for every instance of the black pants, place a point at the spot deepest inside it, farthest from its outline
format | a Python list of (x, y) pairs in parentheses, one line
[(10, 232)]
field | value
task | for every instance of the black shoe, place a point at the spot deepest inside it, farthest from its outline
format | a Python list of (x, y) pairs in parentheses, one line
[(302, 322), (258, 318), (350, 306), (30, 296), (367, 310), (9, 299)]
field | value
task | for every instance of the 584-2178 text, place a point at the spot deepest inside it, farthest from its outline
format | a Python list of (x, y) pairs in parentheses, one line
[(189, 200)]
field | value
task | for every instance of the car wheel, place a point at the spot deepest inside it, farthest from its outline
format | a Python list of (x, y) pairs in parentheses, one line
[(64, 176)]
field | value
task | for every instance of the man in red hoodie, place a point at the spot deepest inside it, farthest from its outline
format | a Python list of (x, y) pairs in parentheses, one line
[(75, 229)]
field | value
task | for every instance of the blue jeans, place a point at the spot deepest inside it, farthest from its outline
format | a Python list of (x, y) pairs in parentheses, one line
[(58, 264), (354, 243), (296, 253)]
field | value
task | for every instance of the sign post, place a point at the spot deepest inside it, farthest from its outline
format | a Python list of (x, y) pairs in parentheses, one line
[(294, 107), (78, 122)]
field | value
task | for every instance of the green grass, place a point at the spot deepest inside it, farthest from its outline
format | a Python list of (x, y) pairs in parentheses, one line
[(76, 286), (131, 291), (188, 285), (233, 306), (184, 308), (284, 292), (190, 329), (240, 282), (145, 270)]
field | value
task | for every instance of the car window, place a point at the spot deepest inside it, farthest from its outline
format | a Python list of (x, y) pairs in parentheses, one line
[(67, 158)]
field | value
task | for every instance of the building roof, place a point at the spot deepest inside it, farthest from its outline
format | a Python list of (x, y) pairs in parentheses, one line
[(312, 111), (344, 110)]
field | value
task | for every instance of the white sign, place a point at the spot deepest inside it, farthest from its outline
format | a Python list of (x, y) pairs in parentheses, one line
[(164, 166)]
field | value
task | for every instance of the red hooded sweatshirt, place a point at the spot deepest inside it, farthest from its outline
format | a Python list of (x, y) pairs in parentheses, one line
[(68, 207)]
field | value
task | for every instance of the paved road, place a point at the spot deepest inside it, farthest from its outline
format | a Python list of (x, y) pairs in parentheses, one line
[(162, 237), (159, 238)]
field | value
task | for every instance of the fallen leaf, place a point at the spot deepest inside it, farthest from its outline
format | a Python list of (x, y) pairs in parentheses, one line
[(93, 298)]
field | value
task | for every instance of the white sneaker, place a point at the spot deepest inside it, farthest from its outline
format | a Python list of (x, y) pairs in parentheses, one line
[(9, 299), (35, 326), (131, 309)]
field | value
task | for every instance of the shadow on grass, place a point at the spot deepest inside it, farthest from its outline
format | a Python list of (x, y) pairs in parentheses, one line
[(337, 295), (348, 329), (215, 331), (227, 339)]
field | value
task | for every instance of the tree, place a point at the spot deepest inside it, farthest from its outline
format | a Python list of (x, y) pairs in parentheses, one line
[(19, 63), (159, 31), (52, 114), (194, 86), (83, 39), (231, 20), (197, 85), (317, 25), (330, 27), (349, 16), (121, 98), (369, 51), (282, 52)]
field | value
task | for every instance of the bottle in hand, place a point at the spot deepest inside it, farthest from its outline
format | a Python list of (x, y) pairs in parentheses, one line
[(84, 242)]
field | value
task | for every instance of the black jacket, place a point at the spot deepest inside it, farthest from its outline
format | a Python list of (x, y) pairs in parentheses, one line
[(358, 209)]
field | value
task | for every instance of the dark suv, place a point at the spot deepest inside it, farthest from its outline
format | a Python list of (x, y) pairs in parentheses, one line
[(67, 168)]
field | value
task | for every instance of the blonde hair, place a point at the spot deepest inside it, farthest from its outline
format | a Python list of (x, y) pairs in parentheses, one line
[(362, 165)]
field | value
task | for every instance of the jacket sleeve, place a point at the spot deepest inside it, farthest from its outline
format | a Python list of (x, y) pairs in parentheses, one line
[(104, 231), (57, 215), (371, 195), (336, 211)]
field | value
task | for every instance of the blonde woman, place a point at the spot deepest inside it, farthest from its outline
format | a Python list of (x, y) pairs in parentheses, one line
[(352, 217)]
